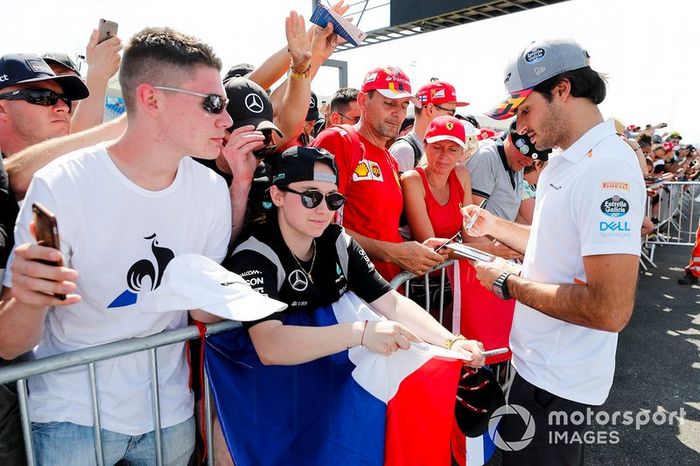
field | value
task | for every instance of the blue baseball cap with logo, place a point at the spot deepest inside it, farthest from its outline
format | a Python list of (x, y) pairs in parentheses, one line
[(538, 62), (23, 68)]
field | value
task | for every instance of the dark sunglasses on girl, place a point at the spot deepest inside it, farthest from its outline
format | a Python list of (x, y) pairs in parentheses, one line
[(37, 96), (312, 198), (213, 103)]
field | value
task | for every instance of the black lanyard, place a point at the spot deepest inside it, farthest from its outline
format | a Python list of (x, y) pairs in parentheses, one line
[(504, 161)]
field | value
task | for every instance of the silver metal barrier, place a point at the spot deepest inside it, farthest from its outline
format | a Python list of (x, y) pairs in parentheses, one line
[(404, 278), (88, 357), (676, 217), (20, 372)]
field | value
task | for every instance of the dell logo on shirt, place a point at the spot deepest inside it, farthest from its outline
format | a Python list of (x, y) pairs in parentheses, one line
[(614, 226)]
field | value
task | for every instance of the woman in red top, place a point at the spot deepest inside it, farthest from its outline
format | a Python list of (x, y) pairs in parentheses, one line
[(436, 190)]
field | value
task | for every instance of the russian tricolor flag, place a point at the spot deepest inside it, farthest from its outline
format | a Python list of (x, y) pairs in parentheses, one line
[(348, 409)]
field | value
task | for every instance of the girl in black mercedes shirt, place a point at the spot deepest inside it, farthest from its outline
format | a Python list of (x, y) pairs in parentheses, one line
[(302, 259)]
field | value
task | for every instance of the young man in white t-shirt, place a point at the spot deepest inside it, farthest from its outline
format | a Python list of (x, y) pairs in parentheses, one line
[(578, 281), (124, 210)]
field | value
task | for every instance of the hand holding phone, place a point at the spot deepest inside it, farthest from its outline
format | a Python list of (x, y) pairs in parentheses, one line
[(106, 30), (46, 229)]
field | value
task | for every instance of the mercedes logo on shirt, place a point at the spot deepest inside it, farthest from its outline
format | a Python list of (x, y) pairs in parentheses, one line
[(298, 280), (254, 103)]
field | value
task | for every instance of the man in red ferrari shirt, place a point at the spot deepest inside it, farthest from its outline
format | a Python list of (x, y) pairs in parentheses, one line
[(368, 174)]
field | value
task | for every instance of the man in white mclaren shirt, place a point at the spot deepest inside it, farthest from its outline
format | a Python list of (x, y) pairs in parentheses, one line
[(578, 281)]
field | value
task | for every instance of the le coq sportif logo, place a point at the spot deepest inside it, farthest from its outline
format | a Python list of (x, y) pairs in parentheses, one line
[(144, 274)]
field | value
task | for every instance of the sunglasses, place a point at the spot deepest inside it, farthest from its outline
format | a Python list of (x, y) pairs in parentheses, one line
[(38, 96), (355, 120), (312, 198), (450, 111), (213, 103)]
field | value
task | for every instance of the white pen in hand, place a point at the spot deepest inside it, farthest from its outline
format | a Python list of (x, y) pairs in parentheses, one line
[(472, 220)]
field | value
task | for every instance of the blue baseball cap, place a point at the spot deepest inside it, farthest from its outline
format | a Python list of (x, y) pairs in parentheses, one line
[(22, 68)]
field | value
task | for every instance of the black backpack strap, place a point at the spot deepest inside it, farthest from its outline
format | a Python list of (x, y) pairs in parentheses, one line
[(417, 150)]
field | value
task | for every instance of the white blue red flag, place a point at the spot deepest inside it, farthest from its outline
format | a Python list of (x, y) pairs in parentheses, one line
[(351, 408)]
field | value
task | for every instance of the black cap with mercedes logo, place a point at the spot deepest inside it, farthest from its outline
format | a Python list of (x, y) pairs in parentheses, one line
[(312, 114), (249, 105)]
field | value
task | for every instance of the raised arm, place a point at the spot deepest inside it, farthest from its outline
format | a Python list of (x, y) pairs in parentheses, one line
[(277, 64), (291, 99), (103, 61)]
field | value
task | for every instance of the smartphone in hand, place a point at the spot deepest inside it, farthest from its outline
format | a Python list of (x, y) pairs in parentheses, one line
[(46, 229), (106, 30)]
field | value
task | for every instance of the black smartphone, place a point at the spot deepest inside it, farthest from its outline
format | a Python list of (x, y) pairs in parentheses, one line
[(268, 147), (106, 30), (46, 229)]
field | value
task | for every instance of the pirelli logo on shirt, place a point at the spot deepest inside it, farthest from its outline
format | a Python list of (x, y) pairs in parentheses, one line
[(616, 185)]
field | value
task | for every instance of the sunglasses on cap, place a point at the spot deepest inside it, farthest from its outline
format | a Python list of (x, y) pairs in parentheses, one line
[(38, 96), (312, 198), (213, 103)]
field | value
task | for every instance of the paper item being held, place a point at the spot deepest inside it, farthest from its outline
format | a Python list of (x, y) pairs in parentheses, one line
[(341, 26), (468, 252)]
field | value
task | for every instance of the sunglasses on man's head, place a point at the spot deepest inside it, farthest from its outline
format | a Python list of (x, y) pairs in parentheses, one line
[(38, 96), (213, 103), (312, 198)]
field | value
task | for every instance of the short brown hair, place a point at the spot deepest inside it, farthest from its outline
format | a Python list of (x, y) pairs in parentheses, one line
[(161, 56)]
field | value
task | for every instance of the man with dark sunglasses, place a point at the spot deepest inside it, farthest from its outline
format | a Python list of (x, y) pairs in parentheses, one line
[(344, 108), (437, 98), (124, 210), (35, 104)]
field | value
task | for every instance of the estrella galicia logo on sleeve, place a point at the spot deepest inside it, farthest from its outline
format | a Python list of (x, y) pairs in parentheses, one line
[(615, 206), (144, 275)]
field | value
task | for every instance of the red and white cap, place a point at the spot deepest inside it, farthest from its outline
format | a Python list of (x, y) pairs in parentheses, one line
[(446, 128), (390, 82), (439, 92)]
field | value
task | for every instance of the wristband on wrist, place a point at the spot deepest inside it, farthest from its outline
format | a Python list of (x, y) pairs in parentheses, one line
[(453, 339), (298, 74), (362, 338)]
